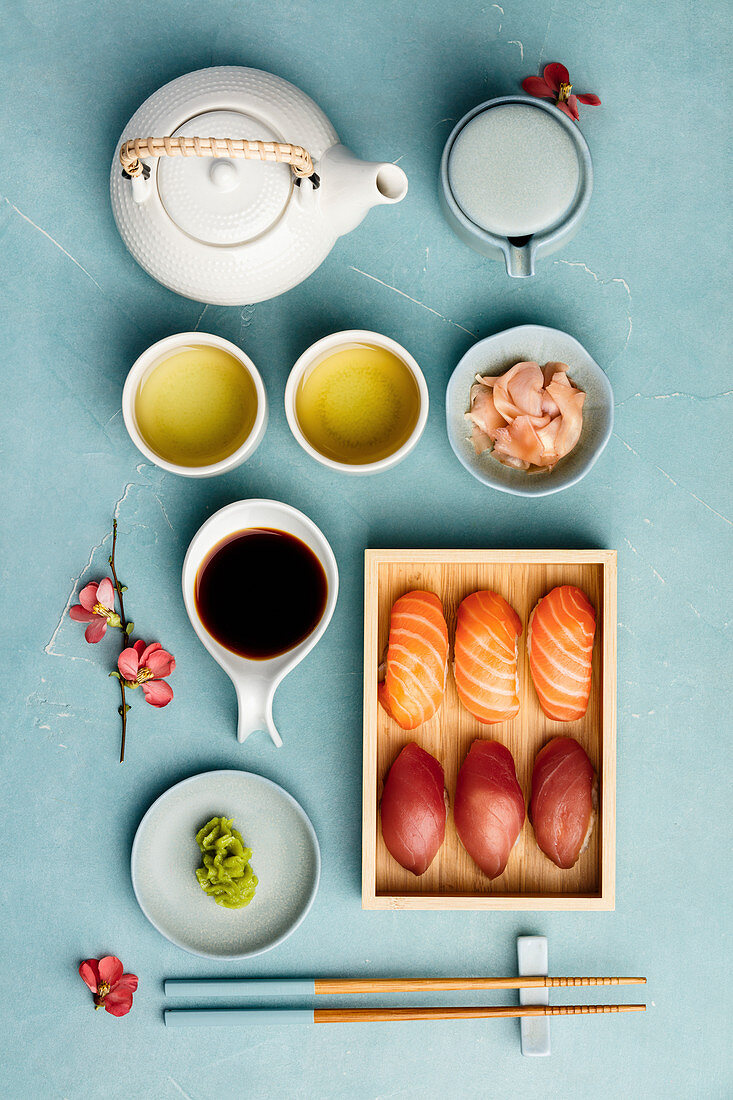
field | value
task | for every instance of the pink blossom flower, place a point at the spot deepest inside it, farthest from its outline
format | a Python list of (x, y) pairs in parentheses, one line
[(112, 989), (144, 666), (96, 607), (555, 84)]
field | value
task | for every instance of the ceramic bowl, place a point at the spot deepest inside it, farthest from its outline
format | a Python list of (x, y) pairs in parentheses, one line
[(497, 354), (169, 346), (285, 857), (328, 345)]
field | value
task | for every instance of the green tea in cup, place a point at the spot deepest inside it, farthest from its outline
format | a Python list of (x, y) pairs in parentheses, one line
[(358, 405), (196, 406)]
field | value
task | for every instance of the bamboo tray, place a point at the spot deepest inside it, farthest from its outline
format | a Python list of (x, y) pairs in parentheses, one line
[(531, 881)]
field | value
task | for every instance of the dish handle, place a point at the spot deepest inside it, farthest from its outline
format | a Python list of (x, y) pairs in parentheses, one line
[(254, 697)]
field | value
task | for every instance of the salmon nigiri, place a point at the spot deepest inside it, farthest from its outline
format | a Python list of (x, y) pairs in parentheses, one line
[(414, 809), (564, 797), (489, 806), (485, 666), (417, 659), (560, 643)]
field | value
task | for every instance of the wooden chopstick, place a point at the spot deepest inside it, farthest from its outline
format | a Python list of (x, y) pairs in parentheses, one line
[(387, 1015), (332, 986), (259, 987), (246, 1017)]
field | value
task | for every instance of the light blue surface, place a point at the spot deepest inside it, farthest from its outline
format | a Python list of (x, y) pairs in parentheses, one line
[(643, 286)]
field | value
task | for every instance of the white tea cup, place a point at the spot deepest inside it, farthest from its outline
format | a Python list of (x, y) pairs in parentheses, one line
[(320, 351), (155, 355)]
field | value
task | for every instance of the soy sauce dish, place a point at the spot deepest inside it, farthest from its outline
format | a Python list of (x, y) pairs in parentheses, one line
[(260, 584), (496, 355), (280, 609)]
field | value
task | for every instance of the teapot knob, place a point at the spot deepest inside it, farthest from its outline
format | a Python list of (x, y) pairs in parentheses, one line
[(223, 175)]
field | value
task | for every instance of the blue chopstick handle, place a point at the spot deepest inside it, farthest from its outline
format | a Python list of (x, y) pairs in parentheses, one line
[(240, 987), (235, 1017)]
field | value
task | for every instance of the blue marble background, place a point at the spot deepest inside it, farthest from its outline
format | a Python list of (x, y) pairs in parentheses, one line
[(645, 286)]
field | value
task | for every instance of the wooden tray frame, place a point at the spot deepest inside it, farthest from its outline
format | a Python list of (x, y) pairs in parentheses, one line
[(406, 565)]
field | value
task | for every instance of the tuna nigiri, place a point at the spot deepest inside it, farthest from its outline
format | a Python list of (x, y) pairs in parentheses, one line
[(417, 659), (560, 643), (564, 798), (414, 809), (489, 806), (485, 666)]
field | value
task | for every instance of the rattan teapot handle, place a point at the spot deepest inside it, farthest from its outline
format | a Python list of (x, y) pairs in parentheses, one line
[(296, 156)]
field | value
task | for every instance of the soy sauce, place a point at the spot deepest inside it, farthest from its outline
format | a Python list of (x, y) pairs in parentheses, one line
[(261, 592)]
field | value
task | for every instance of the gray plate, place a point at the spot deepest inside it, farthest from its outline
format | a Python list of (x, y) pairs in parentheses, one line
[(497, 354), (286, 859)]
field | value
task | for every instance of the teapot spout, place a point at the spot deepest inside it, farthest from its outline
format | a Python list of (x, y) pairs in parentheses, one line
[(351, 187)]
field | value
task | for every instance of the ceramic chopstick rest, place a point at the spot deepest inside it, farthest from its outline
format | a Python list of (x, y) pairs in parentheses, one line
[(532, 957)]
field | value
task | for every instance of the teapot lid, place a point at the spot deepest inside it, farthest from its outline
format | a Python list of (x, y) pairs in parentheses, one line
[(224, 201)]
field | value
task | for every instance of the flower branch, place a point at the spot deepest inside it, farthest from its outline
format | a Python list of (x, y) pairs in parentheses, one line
[(138, 665), (127, 628)]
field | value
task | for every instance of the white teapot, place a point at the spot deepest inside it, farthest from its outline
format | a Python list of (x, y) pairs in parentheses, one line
[(218, 205)]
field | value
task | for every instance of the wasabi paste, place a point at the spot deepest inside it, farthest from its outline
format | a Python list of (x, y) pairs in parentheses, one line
[(226, 874)]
